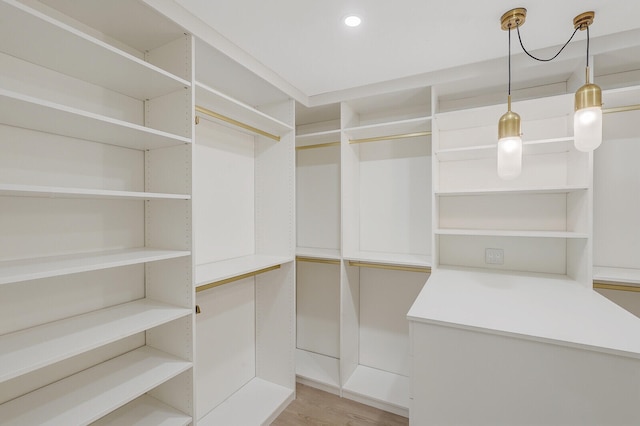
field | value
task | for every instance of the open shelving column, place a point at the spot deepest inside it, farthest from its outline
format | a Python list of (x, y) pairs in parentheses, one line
[(318, 251), (244, 245), (95, 266), (386, 241)]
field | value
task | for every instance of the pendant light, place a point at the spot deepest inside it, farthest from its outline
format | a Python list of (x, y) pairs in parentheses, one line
[(509, 134), (587, 120)]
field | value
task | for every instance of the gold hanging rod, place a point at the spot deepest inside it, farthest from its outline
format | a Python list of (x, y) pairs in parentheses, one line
[(318, 145), (426, 269), (619, 287), (237, 278), (621, 109), (314, 260), (235, 123), (390, 137)]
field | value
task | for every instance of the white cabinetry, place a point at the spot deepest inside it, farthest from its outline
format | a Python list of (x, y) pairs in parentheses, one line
[(364, 243), (95, 181), (244, 227), (529, 324)]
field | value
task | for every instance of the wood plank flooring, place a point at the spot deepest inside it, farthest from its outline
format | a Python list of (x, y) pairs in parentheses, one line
[(318, 408)]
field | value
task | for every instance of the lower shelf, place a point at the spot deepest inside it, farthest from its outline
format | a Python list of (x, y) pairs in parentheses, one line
[(399, 259), (318, 371), (257, 403), (380, 389), (616, 275), (145, 411), (93, 393), (225, 269)]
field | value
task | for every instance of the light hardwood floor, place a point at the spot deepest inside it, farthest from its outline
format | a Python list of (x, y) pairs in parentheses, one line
[(315, 407)]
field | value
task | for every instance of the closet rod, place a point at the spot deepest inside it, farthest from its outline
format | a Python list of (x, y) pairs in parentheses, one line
[(619, 287), (314, 260), (204, 287), (235, 123), (390, 137), (318, 145), (621, 109), (426, 269)]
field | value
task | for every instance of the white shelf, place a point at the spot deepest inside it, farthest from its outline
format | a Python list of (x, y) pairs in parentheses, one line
[(616, 275), (89, 59), (11, 190), (210, 98), (89, 395), (31, 269), (27, 350), (216, 271), (382, 389), (412, 125), (257, 403), (318, 138), (318, 253), (549, 309), (27, 112), (514, 233), (145, 411), (536, 147), (399, 259), (510, 191), (317, 369)]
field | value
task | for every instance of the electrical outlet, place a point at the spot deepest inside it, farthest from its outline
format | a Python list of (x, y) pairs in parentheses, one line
[(494, 256)]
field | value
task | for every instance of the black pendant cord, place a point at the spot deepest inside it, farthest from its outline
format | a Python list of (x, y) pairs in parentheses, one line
[(559, 51)]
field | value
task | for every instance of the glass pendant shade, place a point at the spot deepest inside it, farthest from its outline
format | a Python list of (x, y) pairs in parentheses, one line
[(509, 145), (587, 120), (509, 157)]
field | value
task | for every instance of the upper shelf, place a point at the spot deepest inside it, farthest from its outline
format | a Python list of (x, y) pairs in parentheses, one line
[(535, 147), (60, 47), (225, 269), (11, 190), (220, 103), (12, 271), (19, 110), (318, 138), (388, 129), (509, 191), (511, 233)]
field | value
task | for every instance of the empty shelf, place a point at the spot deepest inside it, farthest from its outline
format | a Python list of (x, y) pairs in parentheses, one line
[(91, 394), (44, 267)]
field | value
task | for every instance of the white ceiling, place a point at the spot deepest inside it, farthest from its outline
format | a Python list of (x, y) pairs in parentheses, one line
[(306, 44)]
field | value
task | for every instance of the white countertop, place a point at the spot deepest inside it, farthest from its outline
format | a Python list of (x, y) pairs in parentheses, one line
[(552, 309)]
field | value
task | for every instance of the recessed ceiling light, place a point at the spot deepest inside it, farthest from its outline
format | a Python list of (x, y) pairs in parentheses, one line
[(352, 21)]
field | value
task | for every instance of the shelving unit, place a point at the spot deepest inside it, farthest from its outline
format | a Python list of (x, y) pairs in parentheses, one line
[(541, 220), (318, 211), (244, 248), (386, 214), (95, 181)]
